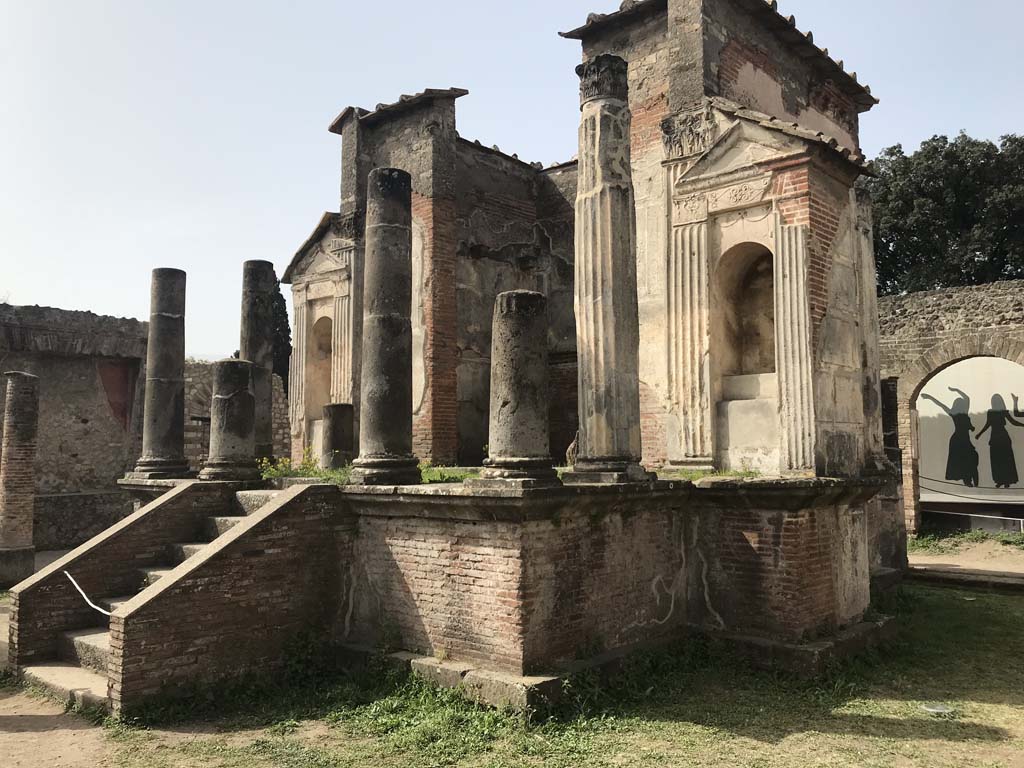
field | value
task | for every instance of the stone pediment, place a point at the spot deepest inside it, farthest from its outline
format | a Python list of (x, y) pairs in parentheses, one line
[(332, 254), (740, 146)]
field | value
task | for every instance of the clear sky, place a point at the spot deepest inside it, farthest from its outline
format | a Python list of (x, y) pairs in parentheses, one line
[(193, 133)]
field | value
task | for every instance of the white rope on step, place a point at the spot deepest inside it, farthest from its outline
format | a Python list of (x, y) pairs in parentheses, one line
[(85, 597)]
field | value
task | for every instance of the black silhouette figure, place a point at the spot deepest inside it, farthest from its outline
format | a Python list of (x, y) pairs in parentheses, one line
[(962, 463), (1004, 463)]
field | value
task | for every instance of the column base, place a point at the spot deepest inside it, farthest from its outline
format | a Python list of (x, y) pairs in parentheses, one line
[(608, 472), (230, 470), (16, 565), (160, 469), (515, 473), (386, 470)]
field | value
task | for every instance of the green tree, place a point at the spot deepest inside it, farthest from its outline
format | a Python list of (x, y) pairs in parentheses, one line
[(282, 338), (950, 214)]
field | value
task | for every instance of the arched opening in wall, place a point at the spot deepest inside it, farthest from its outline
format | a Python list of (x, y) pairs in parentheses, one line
[(318, 380), (743, 358), (967, 433)]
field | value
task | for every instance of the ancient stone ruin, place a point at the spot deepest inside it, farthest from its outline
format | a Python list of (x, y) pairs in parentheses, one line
[(704, 271)]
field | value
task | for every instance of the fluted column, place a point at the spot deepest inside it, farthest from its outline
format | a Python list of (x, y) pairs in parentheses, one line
[(793, 347), (519, 449), (232, 423), (385, 399), (17, 478), (257, 345), (607, 317), (297, 376), (163, 429)]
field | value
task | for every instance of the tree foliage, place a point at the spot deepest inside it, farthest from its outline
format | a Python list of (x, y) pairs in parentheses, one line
[(950, 214), (282, 338)]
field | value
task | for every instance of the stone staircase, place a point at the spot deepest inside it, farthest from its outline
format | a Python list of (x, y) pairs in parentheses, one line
[(79, 673)]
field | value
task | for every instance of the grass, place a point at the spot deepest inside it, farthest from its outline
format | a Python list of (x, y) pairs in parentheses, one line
[(945, 542), (694, 705), (309, 467)]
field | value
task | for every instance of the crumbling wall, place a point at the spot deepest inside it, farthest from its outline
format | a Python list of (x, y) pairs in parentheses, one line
[(502, 245), (91, 383), (749, 63)]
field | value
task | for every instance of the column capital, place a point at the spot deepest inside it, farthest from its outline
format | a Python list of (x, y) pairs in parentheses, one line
[(603, 77)]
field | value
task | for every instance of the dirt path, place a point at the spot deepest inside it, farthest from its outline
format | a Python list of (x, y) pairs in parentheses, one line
[(35, 733), (983, 556)]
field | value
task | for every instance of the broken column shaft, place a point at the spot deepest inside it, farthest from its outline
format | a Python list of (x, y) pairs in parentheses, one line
[(607, 317), (385, 402), (232, 423), (257, 345), (17, 478), (519, 452), (163, 429)]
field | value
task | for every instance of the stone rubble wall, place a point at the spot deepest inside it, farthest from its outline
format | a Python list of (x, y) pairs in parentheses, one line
[(91, 383), (925, 332), (198, 389)]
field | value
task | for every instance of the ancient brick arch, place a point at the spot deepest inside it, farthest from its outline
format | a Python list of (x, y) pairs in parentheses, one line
[(925, 333)]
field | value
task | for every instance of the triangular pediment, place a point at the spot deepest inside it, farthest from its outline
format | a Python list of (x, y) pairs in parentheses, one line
[(740, 145)]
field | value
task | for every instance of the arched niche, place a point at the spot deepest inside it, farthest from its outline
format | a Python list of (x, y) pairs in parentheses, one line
[(745, 311), (743, 360)]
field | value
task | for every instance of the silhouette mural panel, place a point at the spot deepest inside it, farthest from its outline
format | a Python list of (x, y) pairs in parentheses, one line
[(969, 437)]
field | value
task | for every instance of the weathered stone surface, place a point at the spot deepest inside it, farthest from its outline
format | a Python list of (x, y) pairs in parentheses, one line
[(17, 477), (339, 444), (163, 431), (385, 410), (257, 345), (232, 424), (518, 445), (607, 315)]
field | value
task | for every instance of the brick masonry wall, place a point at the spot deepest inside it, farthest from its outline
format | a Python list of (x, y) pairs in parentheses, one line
[(239, 604), (922, 333), (65, 520), (605, 574), (449, 588), (772, 568), (198, 389)]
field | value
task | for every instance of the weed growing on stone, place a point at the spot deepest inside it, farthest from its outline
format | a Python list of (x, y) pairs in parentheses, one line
[(308, 467), (432, 474), (941, 543)]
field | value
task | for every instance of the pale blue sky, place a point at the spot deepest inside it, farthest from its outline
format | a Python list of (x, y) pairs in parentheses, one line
[(140, 134)]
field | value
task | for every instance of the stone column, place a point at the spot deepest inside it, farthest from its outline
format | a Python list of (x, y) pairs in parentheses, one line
[(17, 478), (385, 401), (257, 345), (607, 317), (163, 429), (232, 423), (519, 449), (338, 433)]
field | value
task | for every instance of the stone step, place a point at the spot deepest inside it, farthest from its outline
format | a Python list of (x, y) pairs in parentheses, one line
[(217, 526), (70, 683), (113, 603), (89, 648), (179, 553), (151, 576), (250, 501)]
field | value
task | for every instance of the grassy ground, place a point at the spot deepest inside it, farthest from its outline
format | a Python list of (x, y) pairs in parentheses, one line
[(940, 543), (691, 707)]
